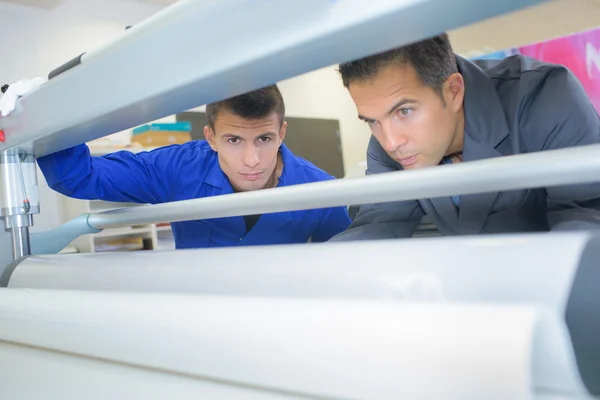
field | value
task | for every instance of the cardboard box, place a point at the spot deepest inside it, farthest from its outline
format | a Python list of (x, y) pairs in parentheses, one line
[(161, 138), (162, 134)]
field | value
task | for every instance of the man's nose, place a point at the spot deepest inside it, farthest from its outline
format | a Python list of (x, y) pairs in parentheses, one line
[(391, 140), (251, 158)]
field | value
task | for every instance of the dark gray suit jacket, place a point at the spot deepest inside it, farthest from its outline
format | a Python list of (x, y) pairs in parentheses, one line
[(516, 105)]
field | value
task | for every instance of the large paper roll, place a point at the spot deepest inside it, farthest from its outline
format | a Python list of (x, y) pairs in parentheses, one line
[(557, 271), (226, 346)]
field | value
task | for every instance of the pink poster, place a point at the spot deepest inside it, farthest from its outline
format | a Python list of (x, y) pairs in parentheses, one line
[(579, 52)]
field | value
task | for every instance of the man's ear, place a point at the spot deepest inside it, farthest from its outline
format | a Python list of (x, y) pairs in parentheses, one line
[(209, 134), (282, 131), (454, 91)]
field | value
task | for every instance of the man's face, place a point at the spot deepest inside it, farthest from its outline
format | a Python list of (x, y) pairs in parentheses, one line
[(408, 118), (247, 148)]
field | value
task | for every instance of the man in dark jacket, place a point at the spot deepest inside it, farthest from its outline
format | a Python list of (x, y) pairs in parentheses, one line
[(427, 106)]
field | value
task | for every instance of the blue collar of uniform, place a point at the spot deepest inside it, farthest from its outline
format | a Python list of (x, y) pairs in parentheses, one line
[(293, 172)]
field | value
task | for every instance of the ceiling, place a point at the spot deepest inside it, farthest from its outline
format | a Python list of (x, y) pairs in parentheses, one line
[(165, 2), (551, 19), (530, 25), (48, 4)]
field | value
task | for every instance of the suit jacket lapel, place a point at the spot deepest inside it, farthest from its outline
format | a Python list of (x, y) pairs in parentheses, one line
[(485, 129), (442, 224), (474, 208), (446, 209)]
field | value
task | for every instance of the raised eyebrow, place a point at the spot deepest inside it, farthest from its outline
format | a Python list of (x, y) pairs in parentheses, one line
[(401, 103), (398, 104)]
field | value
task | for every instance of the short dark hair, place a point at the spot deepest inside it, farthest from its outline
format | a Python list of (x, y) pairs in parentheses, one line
[(432, 58), (257, 104)]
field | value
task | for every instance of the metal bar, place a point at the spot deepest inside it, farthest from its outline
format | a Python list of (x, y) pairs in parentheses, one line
[(6, 253), (54, 240), (19, 198), (125, 83), (21, 243), (547, 168)]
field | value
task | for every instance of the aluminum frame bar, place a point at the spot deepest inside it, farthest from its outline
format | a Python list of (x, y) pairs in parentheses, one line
[(553, 167), (150, 72)]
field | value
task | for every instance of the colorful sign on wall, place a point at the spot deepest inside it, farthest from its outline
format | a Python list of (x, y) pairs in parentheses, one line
[(580, 52)]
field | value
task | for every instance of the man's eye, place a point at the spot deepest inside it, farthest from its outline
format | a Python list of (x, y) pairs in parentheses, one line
[(371, 122), (233, 140), (405, 112), (264, 139)]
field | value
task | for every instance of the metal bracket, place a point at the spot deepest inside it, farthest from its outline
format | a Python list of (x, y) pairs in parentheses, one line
[(19, 198)]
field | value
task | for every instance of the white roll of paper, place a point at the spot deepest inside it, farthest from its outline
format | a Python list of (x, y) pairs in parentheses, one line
[(311, 348)]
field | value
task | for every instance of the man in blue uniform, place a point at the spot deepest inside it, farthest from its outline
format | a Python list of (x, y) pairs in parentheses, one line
[(244, 151)]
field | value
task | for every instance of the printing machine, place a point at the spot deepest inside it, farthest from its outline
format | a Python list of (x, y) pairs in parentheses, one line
[(482, 317)]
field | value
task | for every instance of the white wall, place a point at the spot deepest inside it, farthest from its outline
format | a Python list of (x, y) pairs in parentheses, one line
[(35, 41), (321, 94)]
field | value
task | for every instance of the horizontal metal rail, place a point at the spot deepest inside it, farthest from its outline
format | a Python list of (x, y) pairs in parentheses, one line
[(548, 168)]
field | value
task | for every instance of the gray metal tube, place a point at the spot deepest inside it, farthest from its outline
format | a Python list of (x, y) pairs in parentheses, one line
[(6, 254), (555, 167), (289, 47), (18, 198), (18, 181), (21, 243), (54, 240)]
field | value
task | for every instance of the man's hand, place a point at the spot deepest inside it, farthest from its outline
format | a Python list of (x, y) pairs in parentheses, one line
[(8, 101)]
